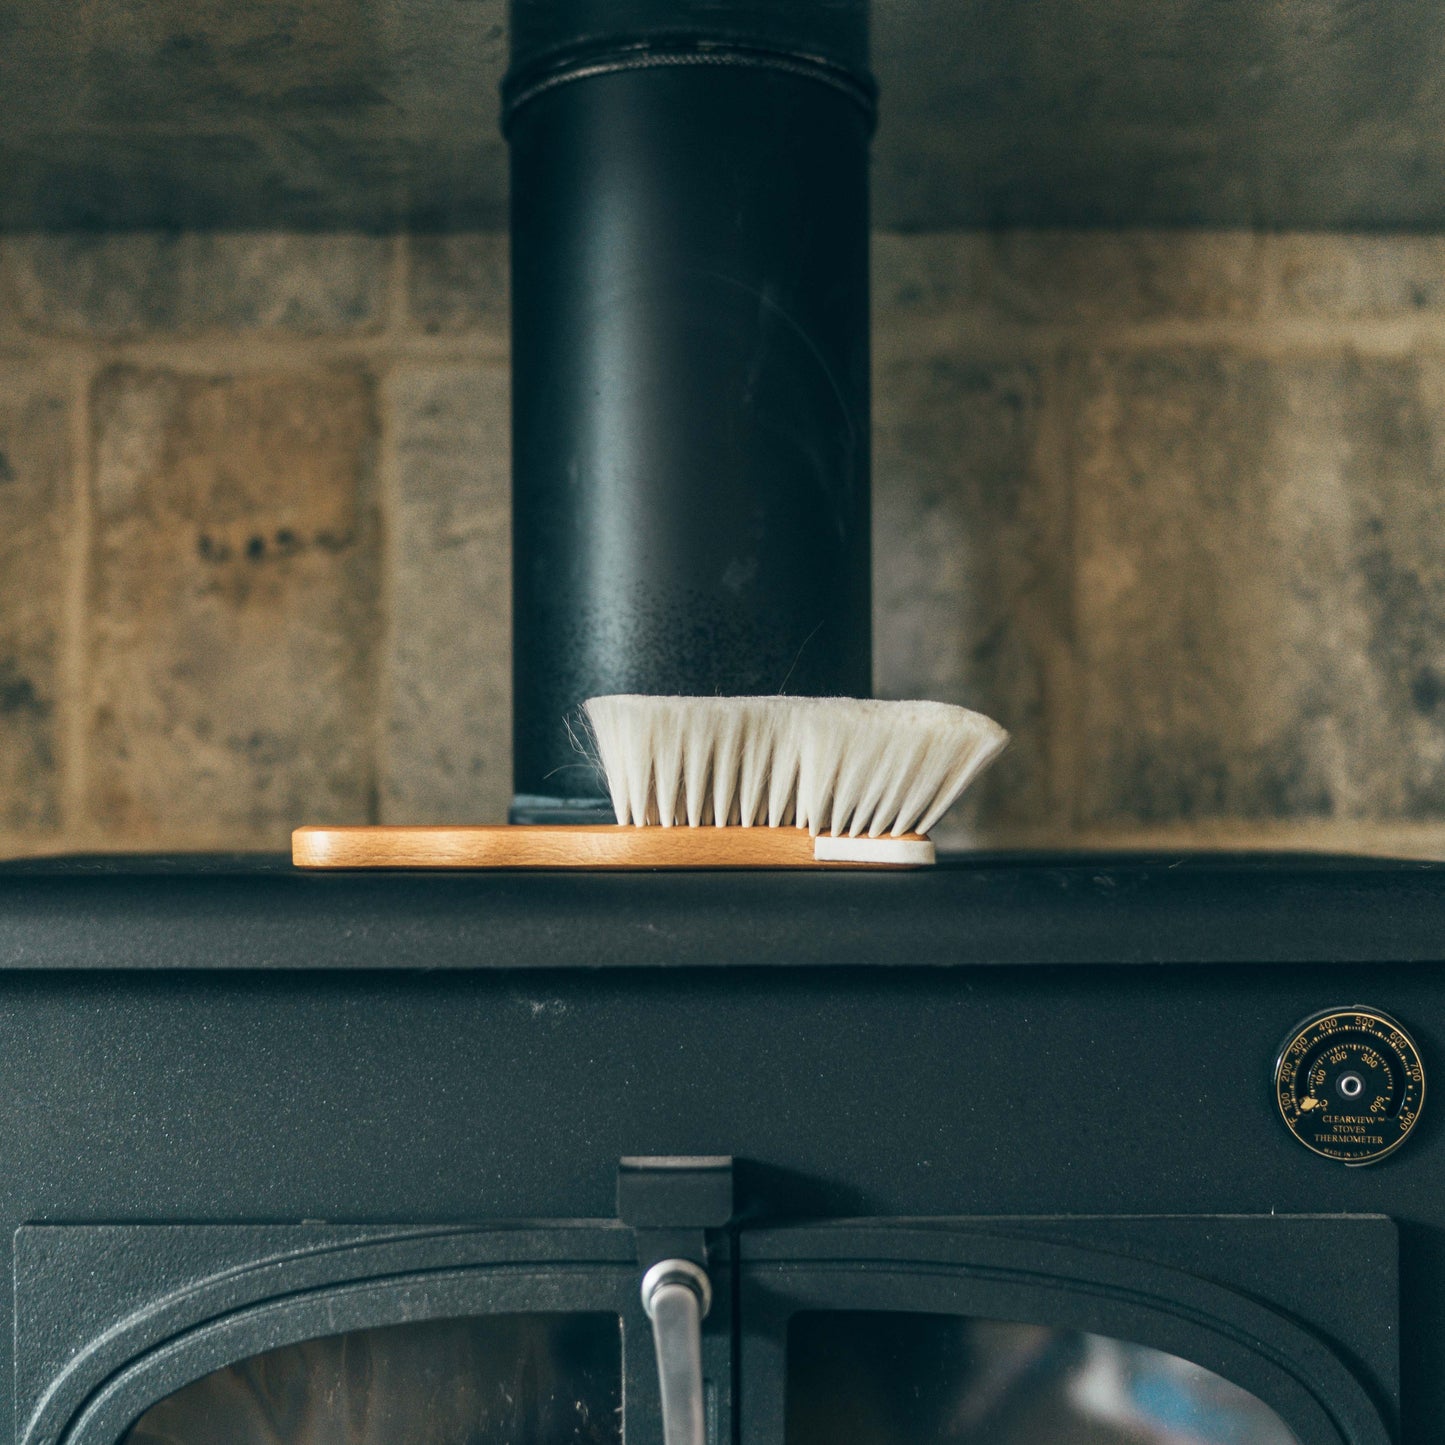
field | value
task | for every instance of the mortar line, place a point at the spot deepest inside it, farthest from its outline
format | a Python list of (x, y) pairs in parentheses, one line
[(1359, 836), (1274, 338), (383, 630), (12, 331), (1065, 671), (388, 512), (245, 352), (397, 320), (75, 747)]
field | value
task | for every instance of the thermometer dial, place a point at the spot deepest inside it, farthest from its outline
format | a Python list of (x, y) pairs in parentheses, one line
[(1350, 1084)]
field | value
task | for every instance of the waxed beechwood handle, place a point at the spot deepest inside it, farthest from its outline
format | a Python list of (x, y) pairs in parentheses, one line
[(599, 846)]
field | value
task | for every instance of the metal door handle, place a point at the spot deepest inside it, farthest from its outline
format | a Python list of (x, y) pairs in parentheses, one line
[(676, 1295)]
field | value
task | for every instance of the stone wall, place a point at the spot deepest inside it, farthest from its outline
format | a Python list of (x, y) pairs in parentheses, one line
[(1169, 505)]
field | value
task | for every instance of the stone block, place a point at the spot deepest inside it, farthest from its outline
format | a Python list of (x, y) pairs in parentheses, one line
[(447, 710), (36, 517), (11, 334), (458, 283), (917, 278), (1356, 277), (969, 576), (1261, 588), (103, 285), (1123, 276), (1052, 277), (233, 604)]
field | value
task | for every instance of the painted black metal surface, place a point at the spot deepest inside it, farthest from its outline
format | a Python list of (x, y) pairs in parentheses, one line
[(690, 408), (1030, 1270), (431, 1099), (204, 912), (148, 1309), (832, 30), (177, 1087), (110, 1318)]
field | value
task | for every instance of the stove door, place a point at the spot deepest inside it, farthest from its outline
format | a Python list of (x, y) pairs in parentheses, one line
[(1096, 1332), (254, 1334)]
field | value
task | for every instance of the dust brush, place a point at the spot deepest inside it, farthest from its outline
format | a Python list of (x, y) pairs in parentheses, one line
[(847, 771), (725, 782)]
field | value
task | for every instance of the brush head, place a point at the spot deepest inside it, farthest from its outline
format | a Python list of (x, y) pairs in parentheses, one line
[(851, 767)]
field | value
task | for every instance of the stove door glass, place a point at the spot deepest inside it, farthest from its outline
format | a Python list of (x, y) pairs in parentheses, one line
[(890, 1378), (522, 1379)]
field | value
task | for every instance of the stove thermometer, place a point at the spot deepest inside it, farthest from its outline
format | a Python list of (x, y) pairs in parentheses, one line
[(1349, 1083)]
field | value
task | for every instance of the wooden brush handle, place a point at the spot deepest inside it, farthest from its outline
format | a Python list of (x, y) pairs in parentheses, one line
[(600, 846)]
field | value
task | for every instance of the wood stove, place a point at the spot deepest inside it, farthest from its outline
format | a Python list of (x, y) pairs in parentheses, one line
[(987, 1153), (1056, 1149)]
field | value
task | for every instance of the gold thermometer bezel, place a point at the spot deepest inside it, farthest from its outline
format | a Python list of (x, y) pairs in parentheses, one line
[(1406, 1049)]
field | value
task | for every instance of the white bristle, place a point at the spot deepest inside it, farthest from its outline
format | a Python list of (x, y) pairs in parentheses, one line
[(845, 766)]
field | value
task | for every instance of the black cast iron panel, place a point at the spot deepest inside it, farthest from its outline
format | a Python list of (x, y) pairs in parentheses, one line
[(110, 1318), (187, 1044), (261, 914), (1034, 1270), (426, 1099)]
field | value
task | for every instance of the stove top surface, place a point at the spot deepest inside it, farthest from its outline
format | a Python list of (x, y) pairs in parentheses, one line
[(254, 911)]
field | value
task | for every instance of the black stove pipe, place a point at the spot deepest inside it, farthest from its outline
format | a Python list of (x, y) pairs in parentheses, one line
[(690, 402)]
